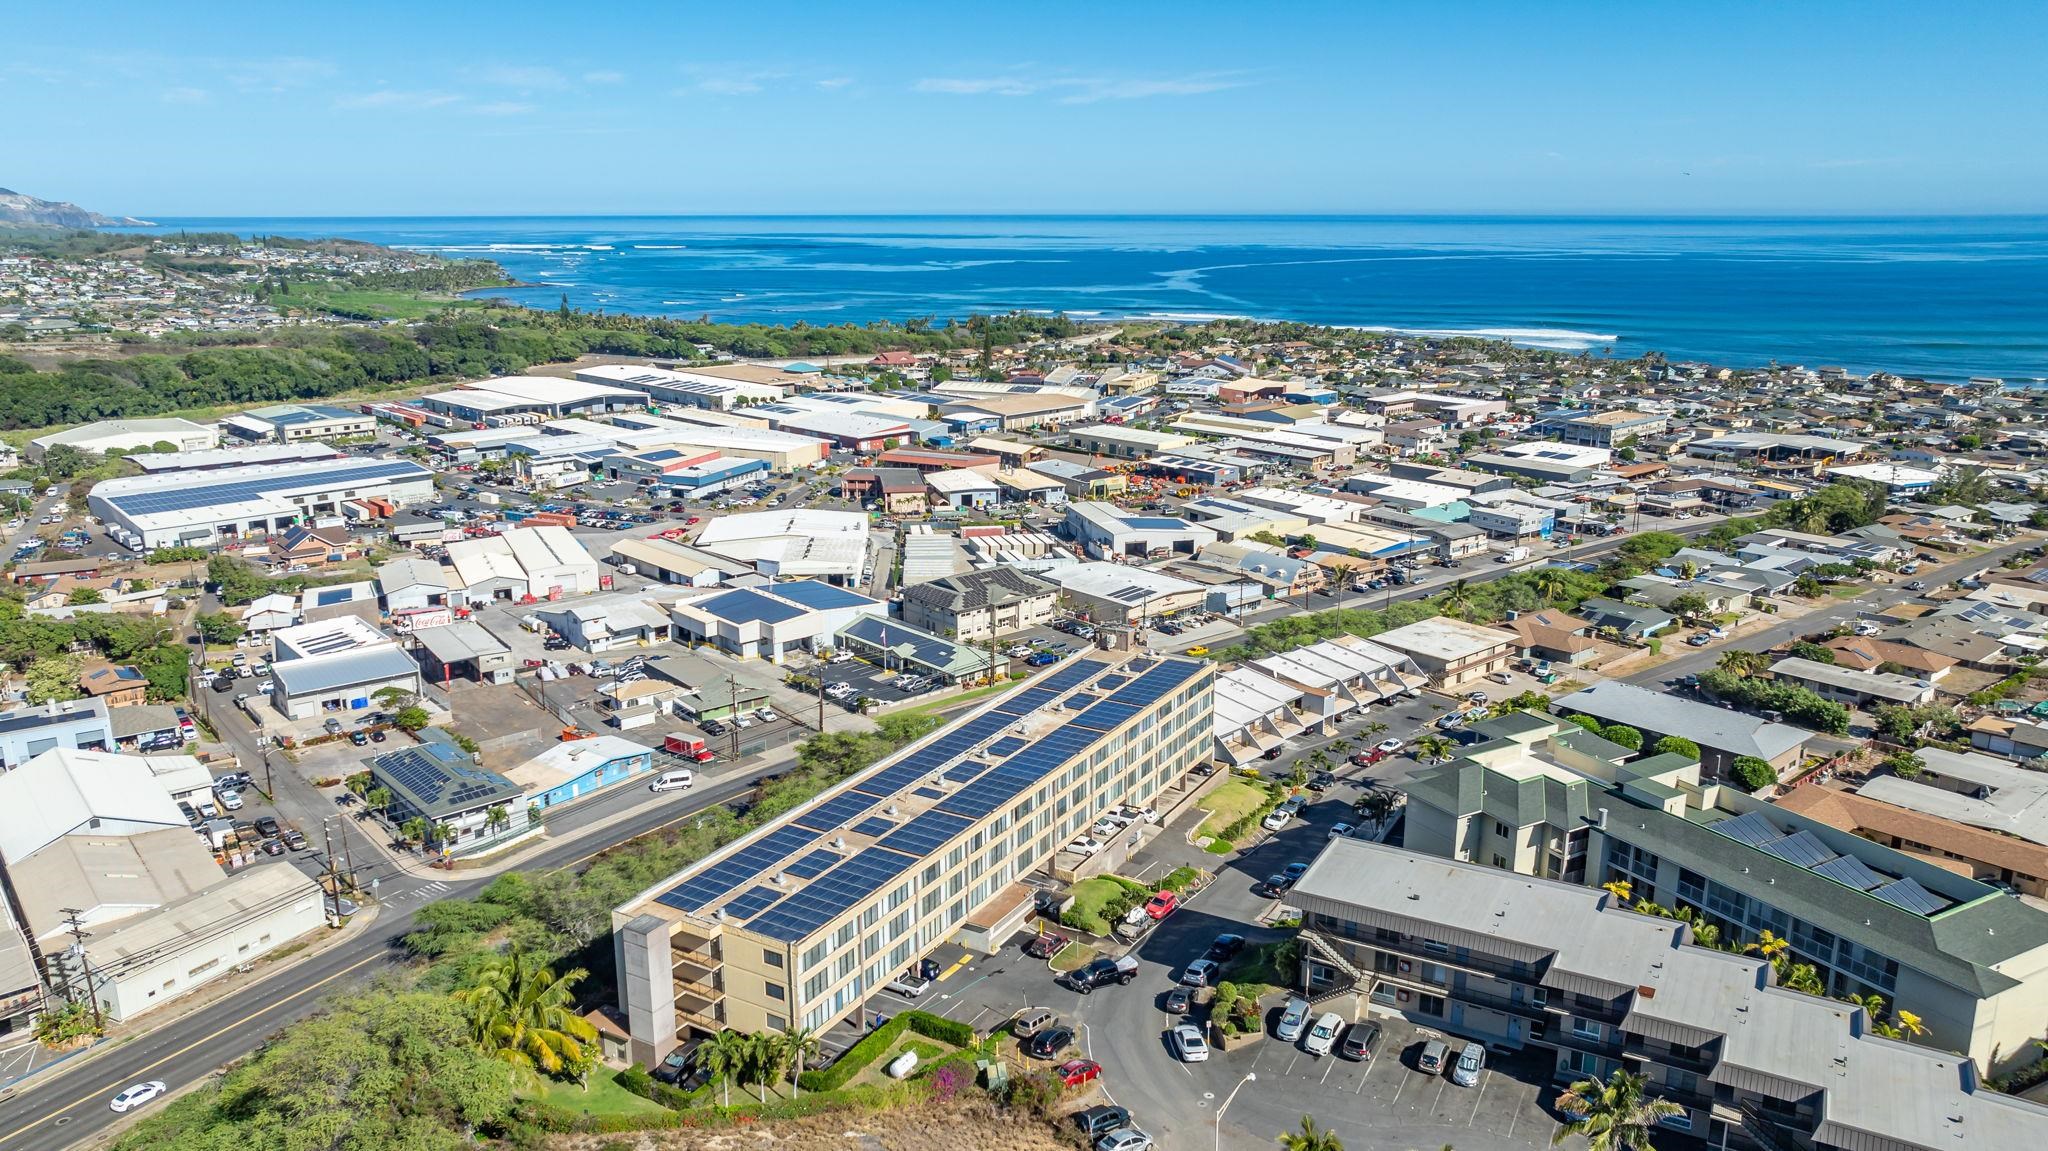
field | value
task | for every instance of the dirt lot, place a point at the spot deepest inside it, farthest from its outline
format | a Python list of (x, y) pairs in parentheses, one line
[(933, 1127)]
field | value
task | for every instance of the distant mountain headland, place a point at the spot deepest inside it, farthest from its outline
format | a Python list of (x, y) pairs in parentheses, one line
[(20, 209)]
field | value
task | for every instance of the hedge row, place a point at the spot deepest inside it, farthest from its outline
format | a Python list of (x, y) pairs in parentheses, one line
[(881, 1039), (548, 1117), (1242, 825)]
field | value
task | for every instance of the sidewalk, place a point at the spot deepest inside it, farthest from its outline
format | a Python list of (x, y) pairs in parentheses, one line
[(236, 982)]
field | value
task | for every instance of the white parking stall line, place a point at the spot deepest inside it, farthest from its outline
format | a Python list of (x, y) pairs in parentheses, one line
[(1398, 1088), (1485, 1081), (1370, 1066), (1327, 1070)]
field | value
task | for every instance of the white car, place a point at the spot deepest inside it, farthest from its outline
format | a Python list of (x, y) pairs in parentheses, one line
[(137, 1095), (1277, 820), (1342, 831), (1106, 828), (1085, 846), (232, 800), (765, 714), (1323, 1036), (1390, 746), (1866, 628), (1189, 1045), (1124, 1139)]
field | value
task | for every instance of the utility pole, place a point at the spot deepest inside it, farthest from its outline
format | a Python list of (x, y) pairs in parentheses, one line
[(332, 885), (733, 713), (78, 937)]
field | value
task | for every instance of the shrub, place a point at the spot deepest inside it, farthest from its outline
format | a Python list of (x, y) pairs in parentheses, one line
[(1588, 722), (882, 1039), (1752, 773), (1179, 879), (1623, 735), (1676, 745)]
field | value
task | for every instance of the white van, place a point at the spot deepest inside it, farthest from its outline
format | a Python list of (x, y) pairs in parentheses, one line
[(671, 781)]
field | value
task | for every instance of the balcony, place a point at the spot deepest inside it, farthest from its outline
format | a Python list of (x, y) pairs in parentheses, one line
[(703, 960), (704, 993), (1562, 1036), (1664, 1055), (1413, 950)]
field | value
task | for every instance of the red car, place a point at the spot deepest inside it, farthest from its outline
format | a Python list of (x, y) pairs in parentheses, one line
[(1162, 905), (1045, 946), (1368, 757), (1075, 1072), (692, 520)]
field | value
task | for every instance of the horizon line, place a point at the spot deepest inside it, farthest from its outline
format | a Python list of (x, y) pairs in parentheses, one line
[(1114, 215)]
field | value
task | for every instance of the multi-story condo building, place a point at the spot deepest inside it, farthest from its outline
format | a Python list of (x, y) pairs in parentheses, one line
[(798, 923), (1531, 963), (1542, 798)]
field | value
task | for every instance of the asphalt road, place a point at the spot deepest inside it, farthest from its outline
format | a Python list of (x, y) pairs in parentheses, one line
[(64, 1107)]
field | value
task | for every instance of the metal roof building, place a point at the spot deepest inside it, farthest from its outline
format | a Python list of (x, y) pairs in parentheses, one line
[(210, 507)]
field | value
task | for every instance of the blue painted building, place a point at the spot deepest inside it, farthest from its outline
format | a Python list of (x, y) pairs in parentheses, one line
[(574, 768)]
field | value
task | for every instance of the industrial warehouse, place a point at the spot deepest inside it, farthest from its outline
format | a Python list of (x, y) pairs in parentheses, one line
[(203, 507)]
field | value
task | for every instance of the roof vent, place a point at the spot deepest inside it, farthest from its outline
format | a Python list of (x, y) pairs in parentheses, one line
[(1413, 896), (719, 915), (890, 811), (781, 878), (839, 841)]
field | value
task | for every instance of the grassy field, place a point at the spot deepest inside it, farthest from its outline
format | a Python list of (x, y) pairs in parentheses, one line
[(605, 1097), (1231, 801), (953, 701), (1073, 957), (384, 303)]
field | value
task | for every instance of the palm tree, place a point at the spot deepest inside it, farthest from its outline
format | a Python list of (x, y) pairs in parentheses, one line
[(803, 1044), (1433, 748), (1375, 728), (414, 829), (725, 1057), (1311, 1138), (1621, 889), (525, 1014), (1550, 584), (1457, 598), (380, 798), (1613, 1116), (496, 819), (771, 1060), (1735, 661)]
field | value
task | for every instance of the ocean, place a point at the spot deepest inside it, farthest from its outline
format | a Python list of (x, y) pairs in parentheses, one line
[(1945, 298)]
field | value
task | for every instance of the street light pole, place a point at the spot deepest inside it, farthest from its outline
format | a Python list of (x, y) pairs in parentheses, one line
[(1249, 1077)]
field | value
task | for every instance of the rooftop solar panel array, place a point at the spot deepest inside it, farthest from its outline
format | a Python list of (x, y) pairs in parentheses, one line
[(750, 862), (1007, 746), (1911, 896), (1800, 847), (967, 769), (1753, 828), (183, 499), (825, 897), (814, 864), (1018, 773), (1852, 871), (874, 826), (926, 833), (834, 813), (752, 902), (1805, 849)]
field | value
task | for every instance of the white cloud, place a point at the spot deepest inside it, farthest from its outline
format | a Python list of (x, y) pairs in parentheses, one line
[(729, 85), (834, 83), (393, 98), (604, 76), (520, 76), (183, 95), (1081, 89), (275, 74), (503, 108)]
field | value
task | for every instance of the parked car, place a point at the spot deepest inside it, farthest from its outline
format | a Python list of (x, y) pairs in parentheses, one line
[(1161, 905), (1342, 831), (1198, 973), (1276, 885), (1045, 946), (1049, 1042), (1095, 1121), (359, 737), (1431, 1060), (1293, 1018), (267, 826), (1225, 946), (1075, 1072), (231, 800), (1323, 1036), (1361, 1041), (1124, 1139), (1178, 1001), (1103, 970), (1188, 1044), (1295, 871), (1085, 846), (294, 840), (1276, 819), (1471, 1061), (1031, 1021), (1389, 746), (1321, 782)]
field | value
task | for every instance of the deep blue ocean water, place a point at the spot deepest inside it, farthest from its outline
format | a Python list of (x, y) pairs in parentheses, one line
[(1941, 297)]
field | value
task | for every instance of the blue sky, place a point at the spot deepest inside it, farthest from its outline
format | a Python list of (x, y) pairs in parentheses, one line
[(512, 108)]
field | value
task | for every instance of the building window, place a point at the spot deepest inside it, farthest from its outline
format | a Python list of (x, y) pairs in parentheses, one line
[(1679, 1122), (1429, 1005), (1502, 830), (1585, 1029), (777, 1023), (772, 958), (1435, 948), (774, 990)]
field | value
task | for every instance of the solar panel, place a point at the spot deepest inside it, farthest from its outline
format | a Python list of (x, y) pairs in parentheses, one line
[(875, 826), (1112, 682), (961, 773), (1106, 715), (752, 902), (816, 863), (1800, 847), (834, 812), (1911, 896), (748, 863), (831, 894), (927, 833), (1852, 871), (929, 793), (1006, 746), (1070, 674), (1753, 829)]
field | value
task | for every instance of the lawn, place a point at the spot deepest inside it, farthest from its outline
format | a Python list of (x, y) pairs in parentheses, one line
[(605, 1097), (1231, 801), (1092, 899), (953, 701), (1073, 957), (386, 303)]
